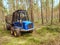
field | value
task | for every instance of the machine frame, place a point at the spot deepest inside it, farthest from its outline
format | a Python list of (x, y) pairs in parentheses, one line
[(15, 30)]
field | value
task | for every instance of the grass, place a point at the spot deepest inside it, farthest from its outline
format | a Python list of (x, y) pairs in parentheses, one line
[(48, 35)]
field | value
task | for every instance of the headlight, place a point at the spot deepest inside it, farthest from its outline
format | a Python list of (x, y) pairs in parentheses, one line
[(30, 26)]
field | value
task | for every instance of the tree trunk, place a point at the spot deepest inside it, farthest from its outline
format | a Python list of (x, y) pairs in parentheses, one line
[(17, 4), (31, 8), (41, 12), (52, 13), (59, 10), (46, 11)]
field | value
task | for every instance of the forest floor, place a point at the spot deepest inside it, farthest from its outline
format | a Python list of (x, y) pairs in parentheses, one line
[(46, 35)]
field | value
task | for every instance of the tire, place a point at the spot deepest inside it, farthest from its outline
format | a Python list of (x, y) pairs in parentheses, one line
[(8, 26), (17, 33), (12, 31), (31, 31)]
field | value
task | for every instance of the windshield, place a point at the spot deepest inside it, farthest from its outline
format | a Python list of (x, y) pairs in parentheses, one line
[(23, 17)]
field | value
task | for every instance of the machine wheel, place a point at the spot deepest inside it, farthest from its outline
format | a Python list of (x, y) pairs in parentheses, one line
[(8, 26), (12, 31), (17, 33), (31, 31)]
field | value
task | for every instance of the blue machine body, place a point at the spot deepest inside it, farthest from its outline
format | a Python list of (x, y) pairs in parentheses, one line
[(24, 25)]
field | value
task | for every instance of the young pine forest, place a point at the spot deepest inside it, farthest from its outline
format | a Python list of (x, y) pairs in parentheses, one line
[(45, 16)]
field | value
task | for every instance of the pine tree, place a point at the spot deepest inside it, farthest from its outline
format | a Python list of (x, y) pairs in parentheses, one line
[(52, 13), (41, 12), (31, 7), (59, 10)]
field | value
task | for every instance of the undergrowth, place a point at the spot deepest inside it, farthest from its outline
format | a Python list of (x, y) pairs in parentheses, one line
[(47, 35)]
